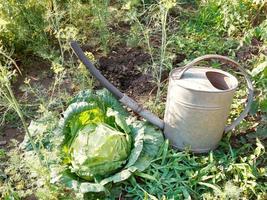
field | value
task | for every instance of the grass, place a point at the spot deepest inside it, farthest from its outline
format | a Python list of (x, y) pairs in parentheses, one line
[(226, 173), (235, 170)]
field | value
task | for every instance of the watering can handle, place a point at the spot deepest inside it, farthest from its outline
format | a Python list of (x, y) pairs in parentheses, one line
[(241, 69)]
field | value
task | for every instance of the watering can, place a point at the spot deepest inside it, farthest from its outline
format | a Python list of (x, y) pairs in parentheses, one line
[(198, 102)]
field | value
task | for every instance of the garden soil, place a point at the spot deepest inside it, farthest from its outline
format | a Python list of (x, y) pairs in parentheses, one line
[(121, 67)]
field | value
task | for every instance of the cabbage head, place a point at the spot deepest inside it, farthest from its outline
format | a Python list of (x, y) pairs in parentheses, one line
[(99, 151), (101, 143)]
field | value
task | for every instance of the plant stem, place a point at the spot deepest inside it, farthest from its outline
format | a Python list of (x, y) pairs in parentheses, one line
[(146, 36), (164, 13), (7, 93), (16, 107), (53, 90), (9, 58)]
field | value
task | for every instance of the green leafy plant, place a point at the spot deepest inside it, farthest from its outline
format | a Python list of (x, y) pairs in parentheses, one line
[(155, 23), (232, 17), (8, 96), (101, 13), (23, 27), (100, 143)]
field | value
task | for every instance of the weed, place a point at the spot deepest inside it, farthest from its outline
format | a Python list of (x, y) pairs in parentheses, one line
[(22, 26), (84, 78), (159, 59), (183, 175), (8, 96), (100, 10)]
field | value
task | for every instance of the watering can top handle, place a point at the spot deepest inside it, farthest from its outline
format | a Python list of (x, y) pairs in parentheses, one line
[(241, 69)]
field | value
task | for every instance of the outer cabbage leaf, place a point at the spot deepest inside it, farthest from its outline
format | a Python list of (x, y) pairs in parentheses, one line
[(107, 100), (84, 96), (118, 119), (103, 98), (153, 139)]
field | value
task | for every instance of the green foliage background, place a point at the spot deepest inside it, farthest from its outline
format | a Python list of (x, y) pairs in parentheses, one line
[(42, 30)]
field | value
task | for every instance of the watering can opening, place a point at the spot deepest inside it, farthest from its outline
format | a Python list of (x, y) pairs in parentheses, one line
[(204, 80), (221, 81)]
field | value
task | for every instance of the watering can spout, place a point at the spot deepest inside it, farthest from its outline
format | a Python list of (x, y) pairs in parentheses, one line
[(123, 98), (152, 118)]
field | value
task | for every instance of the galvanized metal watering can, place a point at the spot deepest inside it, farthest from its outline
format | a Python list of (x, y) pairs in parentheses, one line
[(198, 102)]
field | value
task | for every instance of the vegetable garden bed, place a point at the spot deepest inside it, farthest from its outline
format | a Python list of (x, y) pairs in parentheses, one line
[(134, 44)]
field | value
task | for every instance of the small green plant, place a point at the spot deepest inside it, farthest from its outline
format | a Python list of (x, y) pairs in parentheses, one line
[(165, 6), (23, 27), (84, 78), (8, 96), (101, 13), (259, 74), (58, 70), (159, 59)]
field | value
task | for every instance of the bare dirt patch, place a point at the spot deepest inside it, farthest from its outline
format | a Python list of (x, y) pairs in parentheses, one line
[(122, 68), (8, 134)]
